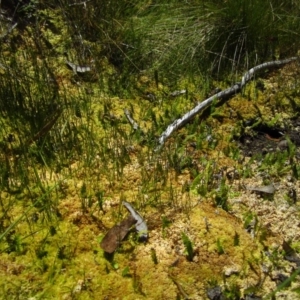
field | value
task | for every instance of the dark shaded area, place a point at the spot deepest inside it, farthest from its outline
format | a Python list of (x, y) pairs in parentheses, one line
[(14, 5), (252, 297), (263, 139), (290, 254), (18, 10)]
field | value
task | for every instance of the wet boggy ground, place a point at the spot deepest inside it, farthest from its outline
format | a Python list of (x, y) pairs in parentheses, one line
[(264, 139)]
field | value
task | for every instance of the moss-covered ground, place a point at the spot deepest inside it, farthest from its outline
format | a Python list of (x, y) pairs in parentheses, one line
[(62, 186)]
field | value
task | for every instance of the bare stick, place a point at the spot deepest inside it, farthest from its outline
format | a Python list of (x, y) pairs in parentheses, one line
[(8, 31), (133, 123), (221, 95), (140, 226), (271, 64), (78, 69)]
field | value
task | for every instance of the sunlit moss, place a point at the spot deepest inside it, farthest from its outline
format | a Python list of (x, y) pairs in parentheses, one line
[(68, 202)]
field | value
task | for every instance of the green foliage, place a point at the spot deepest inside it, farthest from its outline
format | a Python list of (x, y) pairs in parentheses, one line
[(15, 243), (232, 292), (165, 224), (99, 196), (126, 272), (175, 38), (221, 196), (280, 163), (220, 248), (58, 127), (179, 161), (248, 218), (236, 239), (204, 181), (137, 284), (232, 151), (200, 35), (188, 246), (154, 256)]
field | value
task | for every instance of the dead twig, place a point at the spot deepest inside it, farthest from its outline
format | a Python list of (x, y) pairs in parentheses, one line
[(132, 122), (180, 288), (218, 96), (8, 31)]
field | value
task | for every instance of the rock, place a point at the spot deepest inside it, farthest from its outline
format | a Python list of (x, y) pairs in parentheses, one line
[(215, 293)]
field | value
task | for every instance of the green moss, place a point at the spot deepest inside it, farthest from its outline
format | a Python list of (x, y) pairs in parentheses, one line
[(61, 192)]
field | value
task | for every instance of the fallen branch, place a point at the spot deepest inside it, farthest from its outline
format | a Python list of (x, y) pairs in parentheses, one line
[(140, 226), (78, 69), (8, 31), (221, 95), (132, 122)]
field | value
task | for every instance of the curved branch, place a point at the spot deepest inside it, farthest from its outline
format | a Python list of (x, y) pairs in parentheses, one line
[(221, 95), (133, 123)]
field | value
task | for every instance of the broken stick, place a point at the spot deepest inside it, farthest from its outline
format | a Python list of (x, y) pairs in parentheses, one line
[(221, 95)]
